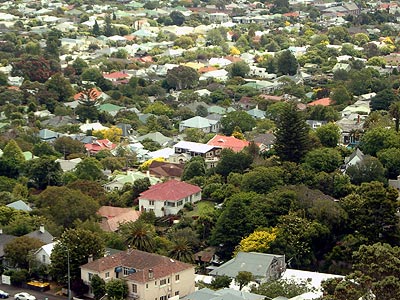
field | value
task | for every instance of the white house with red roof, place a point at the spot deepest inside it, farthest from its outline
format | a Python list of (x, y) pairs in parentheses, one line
[(169, 197), (116, 76), (230, 142), (149, 276)]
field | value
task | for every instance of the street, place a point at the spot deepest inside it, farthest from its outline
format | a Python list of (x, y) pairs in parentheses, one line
[(39, 295)]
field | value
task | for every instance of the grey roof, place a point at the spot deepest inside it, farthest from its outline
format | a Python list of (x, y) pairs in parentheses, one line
[(193, 106), (256, 263), (265, 138), (222, 294), (4, 240), (198, 122), (155, 136), (46, 134), (59, 121), (19, 205), (355, 153), (44, 236)]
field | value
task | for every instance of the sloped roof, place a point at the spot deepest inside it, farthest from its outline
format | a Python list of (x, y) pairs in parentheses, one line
[(114, 216), (322, 101), (222, 294), (143, 262), (165, 169), (256, 263), (171, 190), (155, 136), (43, 236), (19, 205), (194, 147), (198, 122), (228, 142)]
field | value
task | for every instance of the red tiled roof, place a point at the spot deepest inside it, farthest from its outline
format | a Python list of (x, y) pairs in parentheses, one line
[(147, 58), (271, 97), (94, 94), (292, 14), (233, 58), (142, 262), (100, 145), (207, 69), (322, 101), (172, 190), (228, 142), (114, 216), (116, 75)]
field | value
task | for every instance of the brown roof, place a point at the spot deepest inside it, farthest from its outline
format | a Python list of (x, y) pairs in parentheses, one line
[(113, 217), (205, 255), (142, 262), (165, 169)]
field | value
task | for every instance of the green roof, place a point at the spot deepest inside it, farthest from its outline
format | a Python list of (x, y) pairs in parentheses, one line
[(108, 107)]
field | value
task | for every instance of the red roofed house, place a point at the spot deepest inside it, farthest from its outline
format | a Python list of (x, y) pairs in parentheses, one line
[(322, 101), (169, 197), (116, 76), (98, 145), (112, 217), (94, 94), (149, 276), (228, 142)]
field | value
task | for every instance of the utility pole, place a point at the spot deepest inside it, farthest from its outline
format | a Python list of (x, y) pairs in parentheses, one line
[(69, 275)]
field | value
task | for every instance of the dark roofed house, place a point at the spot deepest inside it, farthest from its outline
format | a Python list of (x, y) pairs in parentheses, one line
[(4, 240), (148, 275), (166, 170), (41, 234)]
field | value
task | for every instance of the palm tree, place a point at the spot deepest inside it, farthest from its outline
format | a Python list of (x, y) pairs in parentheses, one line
[(182, 251), (139, 235)]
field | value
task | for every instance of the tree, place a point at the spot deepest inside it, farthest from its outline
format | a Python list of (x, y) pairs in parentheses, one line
[(12, 153), (215, 37), (338, 33), (243, 278), (139, 235), (182, 77), (86, 109), (220, 282), (44, 172), (239, 119), (33, 68), (340, 95), (292, 139), (372, 212), (96, 29), (262, 179), (367, 170), (323, 159), (117, 289), (63, 205), (139, 186), (79, 245), (287, 63), (239, 68), (390, 158), (181, 250), (258, 241), (98, 286), (19, 251), (89, 169), (281, 288), (383, 100), (177, 18), (44, 149), (67, 146), (394, 111), (376, 139), (233, 162), (328, 134), (52, 44), (3, 79), (195, 167), (79, 65)]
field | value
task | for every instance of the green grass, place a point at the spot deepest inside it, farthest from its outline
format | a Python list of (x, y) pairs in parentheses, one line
[(201, 208)]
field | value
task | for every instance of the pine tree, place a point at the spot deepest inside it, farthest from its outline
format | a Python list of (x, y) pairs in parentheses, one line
[(96, 29), (292, 139)]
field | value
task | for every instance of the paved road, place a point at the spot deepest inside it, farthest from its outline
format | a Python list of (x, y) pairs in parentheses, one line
[(39, 295)]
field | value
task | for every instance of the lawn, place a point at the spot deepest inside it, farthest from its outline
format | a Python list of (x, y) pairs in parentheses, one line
[(201, 208)]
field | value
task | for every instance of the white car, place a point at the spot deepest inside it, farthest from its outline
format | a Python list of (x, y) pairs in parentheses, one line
[(24, 296), (3, 294)]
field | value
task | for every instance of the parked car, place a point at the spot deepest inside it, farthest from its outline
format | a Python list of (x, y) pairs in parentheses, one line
[(24, 296), (3, 294)]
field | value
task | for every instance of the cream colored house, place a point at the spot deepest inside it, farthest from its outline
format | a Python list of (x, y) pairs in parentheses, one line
[(149, 276)]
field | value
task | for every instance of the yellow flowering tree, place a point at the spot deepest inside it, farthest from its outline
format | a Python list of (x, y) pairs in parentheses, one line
[(113, 134), (147, 163), (235, 51), (258, 241)]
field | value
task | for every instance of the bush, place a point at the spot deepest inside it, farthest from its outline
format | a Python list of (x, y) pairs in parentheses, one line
[(188, 206), (19, 277)]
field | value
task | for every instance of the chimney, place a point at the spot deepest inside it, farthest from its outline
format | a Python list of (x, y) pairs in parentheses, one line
[(1, 230), (41, 229), (90, 258), (151, 274), (148, 174), (358, 119)]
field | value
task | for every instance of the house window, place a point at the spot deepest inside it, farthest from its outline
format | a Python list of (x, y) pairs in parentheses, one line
[(43, 258), (126, 271), (134, 288), (179, 203), (168, 280), (151, 202), (163, 297), (147, 285), (177, 293), (90, 276), (163, 282), (177, 277), (107, 275)]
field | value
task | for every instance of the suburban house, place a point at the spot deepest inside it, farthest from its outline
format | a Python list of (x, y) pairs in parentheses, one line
[(166, 170), (118, 181), (149, 276), (210, 153), (354, 158), (43, 254), (230, 142), (264, 267), (20, 205), (168, 198), (98, 145), (112, 217), (265, 141), (41, 234), (4, 240), (200, 123)]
